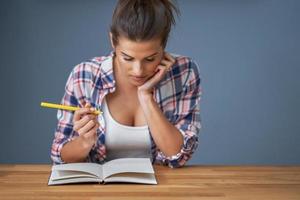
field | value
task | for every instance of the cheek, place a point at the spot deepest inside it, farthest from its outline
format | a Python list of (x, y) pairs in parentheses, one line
[(151, 67), (125, 65)]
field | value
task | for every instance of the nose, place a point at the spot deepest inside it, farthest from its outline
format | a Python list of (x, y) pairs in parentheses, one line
[(137, 69)]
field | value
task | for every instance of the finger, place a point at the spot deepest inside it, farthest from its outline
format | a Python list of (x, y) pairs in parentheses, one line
[(166, 64), (170, 58), (87, 105), (160, 71), (87, 127), (82, 122), (91, 133), (80, 112)]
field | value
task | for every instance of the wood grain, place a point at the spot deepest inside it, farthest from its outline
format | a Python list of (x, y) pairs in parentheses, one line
[(190, 182)]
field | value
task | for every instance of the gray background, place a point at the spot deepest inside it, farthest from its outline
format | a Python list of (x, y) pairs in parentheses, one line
[(248, 53)]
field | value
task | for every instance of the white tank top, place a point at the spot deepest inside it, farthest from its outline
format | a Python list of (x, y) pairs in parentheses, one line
[(125, 141)]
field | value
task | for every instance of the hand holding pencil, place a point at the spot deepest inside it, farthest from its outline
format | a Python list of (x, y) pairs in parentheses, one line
[(86, 125), (85, 122)]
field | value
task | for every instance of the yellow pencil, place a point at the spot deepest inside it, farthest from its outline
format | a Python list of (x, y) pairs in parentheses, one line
[(64, 107)]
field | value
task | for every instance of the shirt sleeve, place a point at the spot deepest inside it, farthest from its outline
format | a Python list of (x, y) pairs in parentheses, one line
[(188, 120), (64, 130)]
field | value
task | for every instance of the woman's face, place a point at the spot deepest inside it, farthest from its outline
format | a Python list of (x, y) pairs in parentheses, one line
[(137, 61)]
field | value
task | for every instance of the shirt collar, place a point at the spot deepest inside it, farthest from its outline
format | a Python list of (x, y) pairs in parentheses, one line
[(107, 63), (108, 79)]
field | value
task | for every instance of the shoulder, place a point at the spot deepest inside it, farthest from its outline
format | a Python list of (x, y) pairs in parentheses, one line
[(185, 70), (90, 68), (89, 77)]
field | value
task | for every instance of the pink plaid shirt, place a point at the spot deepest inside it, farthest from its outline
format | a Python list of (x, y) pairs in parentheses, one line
[(177, 94)]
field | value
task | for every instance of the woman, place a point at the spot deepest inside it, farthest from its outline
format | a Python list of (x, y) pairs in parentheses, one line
[(149, 98)]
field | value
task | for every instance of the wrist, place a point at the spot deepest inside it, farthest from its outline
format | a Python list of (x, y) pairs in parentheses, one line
[(85, 144), (75, 151), (144, 96)]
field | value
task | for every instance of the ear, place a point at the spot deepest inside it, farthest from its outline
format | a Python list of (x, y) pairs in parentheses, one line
[(111, 40)]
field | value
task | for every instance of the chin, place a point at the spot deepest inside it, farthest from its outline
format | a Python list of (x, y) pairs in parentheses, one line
[(137, 84)]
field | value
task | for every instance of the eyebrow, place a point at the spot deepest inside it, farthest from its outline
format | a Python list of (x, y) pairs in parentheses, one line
[(145, 57)]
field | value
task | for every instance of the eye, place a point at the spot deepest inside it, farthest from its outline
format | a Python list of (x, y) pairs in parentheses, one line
[(150, 59), (127, 59)]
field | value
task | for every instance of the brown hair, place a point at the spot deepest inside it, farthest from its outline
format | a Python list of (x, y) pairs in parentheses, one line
[(142, 20)]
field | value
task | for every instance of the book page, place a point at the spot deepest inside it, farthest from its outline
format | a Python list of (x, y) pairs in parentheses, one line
[(74, 180), (122, 165), (144, 178), (76, 170), (67, 174)]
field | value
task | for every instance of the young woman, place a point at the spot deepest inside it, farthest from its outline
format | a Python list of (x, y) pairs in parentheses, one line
[(149, 98)]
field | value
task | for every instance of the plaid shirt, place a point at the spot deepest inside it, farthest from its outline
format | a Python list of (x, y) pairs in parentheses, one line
[(177, 95)]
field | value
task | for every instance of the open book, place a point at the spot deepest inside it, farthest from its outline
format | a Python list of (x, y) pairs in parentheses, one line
[(132, 170)]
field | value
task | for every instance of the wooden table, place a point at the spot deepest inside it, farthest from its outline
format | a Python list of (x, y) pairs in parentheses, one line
[(190, 182)]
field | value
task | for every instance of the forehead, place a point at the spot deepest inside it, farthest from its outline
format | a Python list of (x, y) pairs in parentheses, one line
[(139, 48)]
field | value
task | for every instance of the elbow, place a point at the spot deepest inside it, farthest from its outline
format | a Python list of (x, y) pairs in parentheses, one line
[(174, 161), (179, 162), (55, 153), (185, 154)]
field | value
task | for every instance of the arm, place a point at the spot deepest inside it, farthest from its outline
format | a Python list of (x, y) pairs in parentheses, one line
[(76, 132), (188, 123), (178, 140), (166, 136)]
